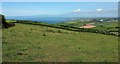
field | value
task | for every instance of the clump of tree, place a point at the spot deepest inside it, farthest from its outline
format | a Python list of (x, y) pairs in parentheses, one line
[(4, 23)]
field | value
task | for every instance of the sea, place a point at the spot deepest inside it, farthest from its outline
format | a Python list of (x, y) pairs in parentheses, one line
[(50, 20)]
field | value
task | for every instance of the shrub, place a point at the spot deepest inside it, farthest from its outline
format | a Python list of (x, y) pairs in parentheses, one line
[(59, 31), (44, 34)]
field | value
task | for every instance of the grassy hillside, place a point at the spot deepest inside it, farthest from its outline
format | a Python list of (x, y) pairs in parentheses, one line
[(39, 43)]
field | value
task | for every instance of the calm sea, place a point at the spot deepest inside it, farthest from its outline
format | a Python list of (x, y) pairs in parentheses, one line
[(50, 20)]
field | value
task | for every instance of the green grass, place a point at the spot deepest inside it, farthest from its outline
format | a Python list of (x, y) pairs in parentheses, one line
[(24, 43), (99, 25), (9, 21), (106, 26), (72, 23)]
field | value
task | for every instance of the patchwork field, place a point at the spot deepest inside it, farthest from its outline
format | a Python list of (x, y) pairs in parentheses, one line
[(98, 25), (24, 43)]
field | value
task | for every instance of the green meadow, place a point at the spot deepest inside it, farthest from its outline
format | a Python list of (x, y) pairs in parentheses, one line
[(99, 25), (36, 43)]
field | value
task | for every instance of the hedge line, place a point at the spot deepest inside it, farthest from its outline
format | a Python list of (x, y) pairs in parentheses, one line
[(72, 28)]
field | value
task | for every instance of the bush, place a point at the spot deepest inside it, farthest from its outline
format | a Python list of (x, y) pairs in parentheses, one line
[(49, 30), (44, 34), (59, 31)]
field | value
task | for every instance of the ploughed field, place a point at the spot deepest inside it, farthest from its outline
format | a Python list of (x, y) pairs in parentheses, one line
[(46, 44)]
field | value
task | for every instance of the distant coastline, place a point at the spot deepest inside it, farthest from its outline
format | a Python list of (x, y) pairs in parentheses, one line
[(50, 20)]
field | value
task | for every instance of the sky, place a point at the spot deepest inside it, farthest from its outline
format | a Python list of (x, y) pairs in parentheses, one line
[(60, 0), (55, 8), (0, 7)]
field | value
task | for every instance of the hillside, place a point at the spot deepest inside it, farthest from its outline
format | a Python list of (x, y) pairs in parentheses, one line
[(39, 43)]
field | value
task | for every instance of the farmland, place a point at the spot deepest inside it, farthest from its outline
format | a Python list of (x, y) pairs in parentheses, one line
[(37, 43)]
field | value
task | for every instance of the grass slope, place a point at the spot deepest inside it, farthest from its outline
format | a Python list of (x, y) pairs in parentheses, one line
[(34, 43)]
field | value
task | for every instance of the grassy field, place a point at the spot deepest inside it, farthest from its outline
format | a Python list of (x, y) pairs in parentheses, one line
[(99, 25), (24, 43)]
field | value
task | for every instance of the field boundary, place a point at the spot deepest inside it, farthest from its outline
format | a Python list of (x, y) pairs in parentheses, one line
[(70, 28)]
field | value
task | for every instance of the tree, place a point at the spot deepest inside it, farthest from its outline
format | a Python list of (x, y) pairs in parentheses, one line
[(4, 23)]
